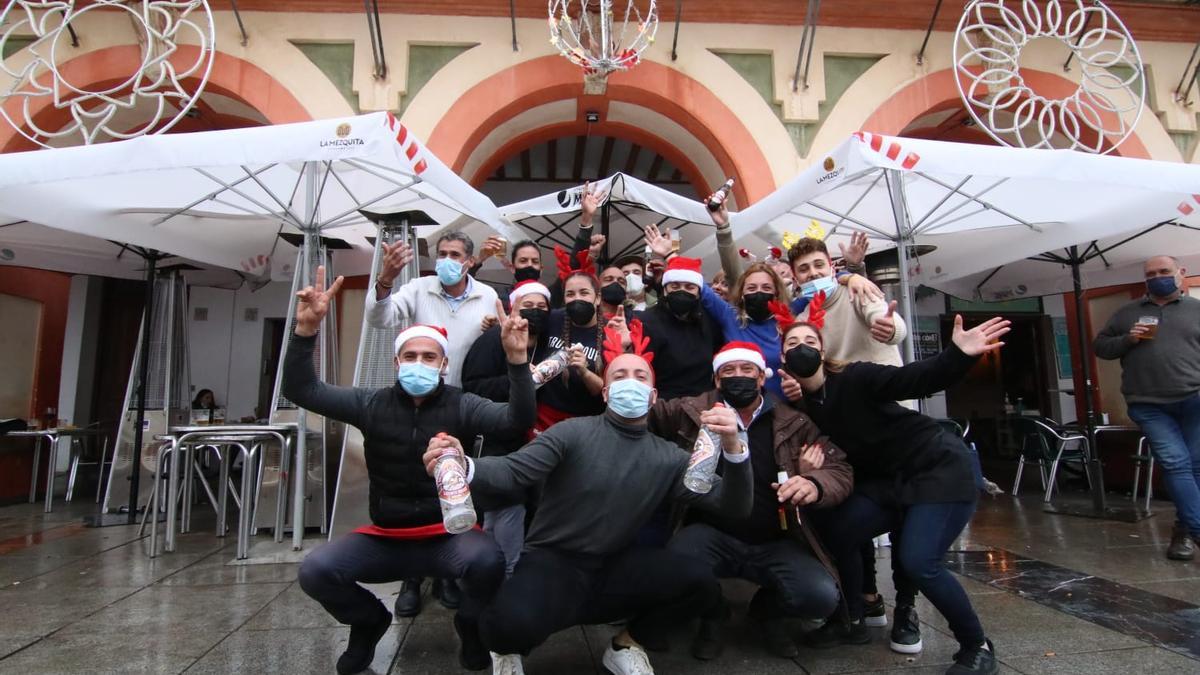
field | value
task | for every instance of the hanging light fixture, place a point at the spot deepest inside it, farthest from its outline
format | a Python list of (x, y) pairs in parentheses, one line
[(589, 34)]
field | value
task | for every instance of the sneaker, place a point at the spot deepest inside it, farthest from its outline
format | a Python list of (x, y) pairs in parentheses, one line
[(906, 631), (472, 655), (447, 591), (981, 659), (777, 640), (360, 652), (883, 541), (1181, 547), (507, 664), (710, 641), (408, 602), (876, 613), (835, 633), (627, 661)]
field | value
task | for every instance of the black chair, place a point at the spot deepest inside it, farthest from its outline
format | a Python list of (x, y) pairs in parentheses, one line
[(1043, 441)]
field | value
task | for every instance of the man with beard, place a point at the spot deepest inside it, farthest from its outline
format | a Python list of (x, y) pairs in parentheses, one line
[(681, 334)]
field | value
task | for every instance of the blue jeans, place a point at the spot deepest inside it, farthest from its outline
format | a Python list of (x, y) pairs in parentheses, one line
[(1173, 430)]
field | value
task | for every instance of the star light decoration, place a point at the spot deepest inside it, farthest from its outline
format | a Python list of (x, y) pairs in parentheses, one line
[(585, 33), (150, 100)]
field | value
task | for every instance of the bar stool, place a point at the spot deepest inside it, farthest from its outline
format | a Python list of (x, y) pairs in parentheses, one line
[(1146, 458)]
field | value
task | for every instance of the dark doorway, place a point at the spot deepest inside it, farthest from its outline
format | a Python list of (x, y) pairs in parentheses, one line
[(272, 343)]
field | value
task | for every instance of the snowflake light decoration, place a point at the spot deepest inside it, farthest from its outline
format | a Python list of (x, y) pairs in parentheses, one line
[(585, 33)]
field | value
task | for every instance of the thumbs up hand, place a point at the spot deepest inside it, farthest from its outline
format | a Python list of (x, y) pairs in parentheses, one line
[(883, 329)]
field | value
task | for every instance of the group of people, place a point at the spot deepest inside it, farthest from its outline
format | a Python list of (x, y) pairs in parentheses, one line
[(574, 407)]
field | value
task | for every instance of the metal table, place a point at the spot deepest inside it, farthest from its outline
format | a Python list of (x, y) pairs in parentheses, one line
[(52, 437), (248, 439)]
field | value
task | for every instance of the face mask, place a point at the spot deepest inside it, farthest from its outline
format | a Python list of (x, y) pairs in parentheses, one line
[(580, 312), (802, 360), (756, 305), (537, 318), (526, 274), (682, 304), (827, 284), (739, 391), (613, 294), (418, 379), (629, 398), (449, 272), (634, 283), (1161, 287)]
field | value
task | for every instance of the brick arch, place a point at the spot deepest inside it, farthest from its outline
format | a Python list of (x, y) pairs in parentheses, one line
[(230, 76), (938, 91), (651, 85)]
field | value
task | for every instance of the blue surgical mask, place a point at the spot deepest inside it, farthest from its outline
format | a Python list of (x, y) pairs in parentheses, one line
[(629, 398), (1161, 287), (811, 288), (418, 379), (449, 272)]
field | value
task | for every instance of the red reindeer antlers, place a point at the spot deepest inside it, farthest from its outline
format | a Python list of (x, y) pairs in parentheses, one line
[(613, 347), (816, 310), (563, 260), (783, 316)]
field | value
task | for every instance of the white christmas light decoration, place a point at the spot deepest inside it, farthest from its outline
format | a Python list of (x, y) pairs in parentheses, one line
[(586, 33)]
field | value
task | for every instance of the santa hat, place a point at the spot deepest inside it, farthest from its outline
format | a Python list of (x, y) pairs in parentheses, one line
[(741, 351), (683, 269), (435, 333), (525, 288)]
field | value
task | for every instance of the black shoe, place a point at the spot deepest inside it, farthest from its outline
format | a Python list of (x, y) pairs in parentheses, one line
[(876, 613), (447, 591), (981, 659), (906, 631), (1181, 547), (777, 640), (472, 655), (835, 633), (408, 602), (361, 651), (709, 642)]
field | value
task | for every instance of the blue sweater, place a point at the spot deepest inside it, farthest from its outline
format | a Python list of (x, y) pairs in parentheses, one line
[(765, 333)]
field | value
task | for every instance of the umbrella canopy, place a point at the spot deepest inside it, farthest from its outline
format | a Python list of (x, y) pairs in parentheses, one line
[(224, 197)]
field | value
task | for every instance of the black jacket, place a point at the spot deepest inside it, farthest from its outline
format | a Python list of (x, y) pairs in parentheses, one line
[(683, 351), (396, 431), (485, 373)]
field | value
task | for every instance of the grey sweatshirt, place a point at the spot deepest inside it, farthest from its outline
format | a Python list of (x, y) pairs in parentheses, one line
[(1165, 369), (603, 481)]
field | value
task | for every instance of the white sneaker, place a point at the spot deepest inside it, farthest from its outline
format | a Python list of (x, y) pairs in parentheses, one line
[(883, 541), (507, 664), (628, 661)]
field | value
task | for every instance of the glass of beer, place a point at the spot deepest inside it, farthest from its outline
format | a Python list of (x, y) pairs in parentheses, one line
[(675, 241), (503, 250), (1151, 324)]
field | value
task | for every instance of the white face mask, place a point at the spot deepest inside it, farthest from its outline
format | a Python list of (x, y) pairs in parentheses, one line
[(634, 284), (828, 284)]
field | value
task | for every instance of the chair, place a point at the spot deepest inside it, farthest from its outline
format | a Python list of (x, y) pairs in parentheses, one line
[(1044, 441), (1143, 457)]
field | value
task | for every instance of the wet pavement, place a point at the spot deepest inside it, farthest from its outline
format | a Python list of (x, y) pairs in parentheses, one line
[(1056, 594)]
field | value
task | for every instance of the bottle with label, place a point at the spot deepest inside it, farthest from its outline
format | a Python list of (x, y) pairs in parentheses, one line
[(703, 464), (548, 369), (458, 511), (719, 197)]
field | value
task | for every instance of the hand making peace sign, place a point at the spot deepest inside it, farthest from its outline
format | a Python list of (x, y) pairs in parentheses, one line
[(313, 303), (514, 334)]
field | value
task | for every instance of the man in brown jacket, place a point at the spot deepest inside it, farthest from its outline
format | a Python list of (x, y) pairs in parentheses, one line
[(775, 546)]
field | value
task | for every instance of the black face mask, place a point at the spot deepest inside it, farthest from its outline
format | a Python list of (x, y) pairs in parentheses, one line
[(739, 392), (756, 305), (580, 311), (682, 304), (537, 318), (802, 360), (526, 274), (613, 294)]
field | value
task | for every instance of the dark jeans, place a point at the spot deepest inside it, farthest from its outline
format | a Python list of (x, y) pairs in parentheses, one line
[(793, 582), (926, 532), (906, 590), (330, 574), (549, 590), (1173, 430)]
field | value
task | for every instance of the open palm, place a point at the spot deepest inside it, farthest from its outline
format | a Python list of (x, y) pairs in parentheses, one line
[(983, 338)]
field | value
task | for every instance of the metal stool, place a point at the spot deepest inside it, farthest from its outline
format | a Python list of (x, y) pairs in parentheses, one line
[(1143, 456)]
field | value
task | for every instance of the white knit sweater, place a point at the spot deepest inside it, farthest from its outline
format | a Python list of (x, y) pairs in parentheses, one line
[(421, 301), (847, 331)]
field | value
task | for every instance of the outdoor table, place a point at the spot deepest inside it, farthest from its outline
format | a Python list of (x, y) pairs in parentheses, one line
[(52, 437), (248, 439)]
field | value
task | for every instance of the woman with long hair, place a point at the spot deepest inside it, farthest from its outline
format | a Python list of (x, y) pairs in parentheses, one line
[(911, 478), (577, 328)]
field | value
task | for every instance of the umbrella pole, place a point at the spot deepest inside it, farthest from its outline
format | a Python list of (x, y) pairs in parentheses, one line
[(1094, 468), (903, 231), (143, 376)]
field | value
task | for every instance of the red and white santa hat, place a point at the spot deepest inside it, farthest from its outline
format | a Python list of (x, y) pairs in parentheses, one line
[(525, 288), (683, 269), (741, 351), (435, 333)]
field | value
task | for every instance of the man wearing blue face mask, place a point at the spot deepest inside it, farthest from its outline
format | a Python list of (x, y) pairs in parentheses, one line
[(1157, 339), (603, 477), (406, 537), (451, 299)]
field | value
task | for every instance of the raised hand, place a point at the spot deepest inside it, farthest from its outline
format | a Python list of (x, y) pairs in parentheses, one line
[(514, 334), (861, 289), (589, 203), (722, 420), (596, 245), (617, 323), (655, 268), (312, 303), (884, 327), (797, 490), (491, 247), (437, 445), (857, 250), (660, 244), (395, 257), (720, 217), (983, 338)]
